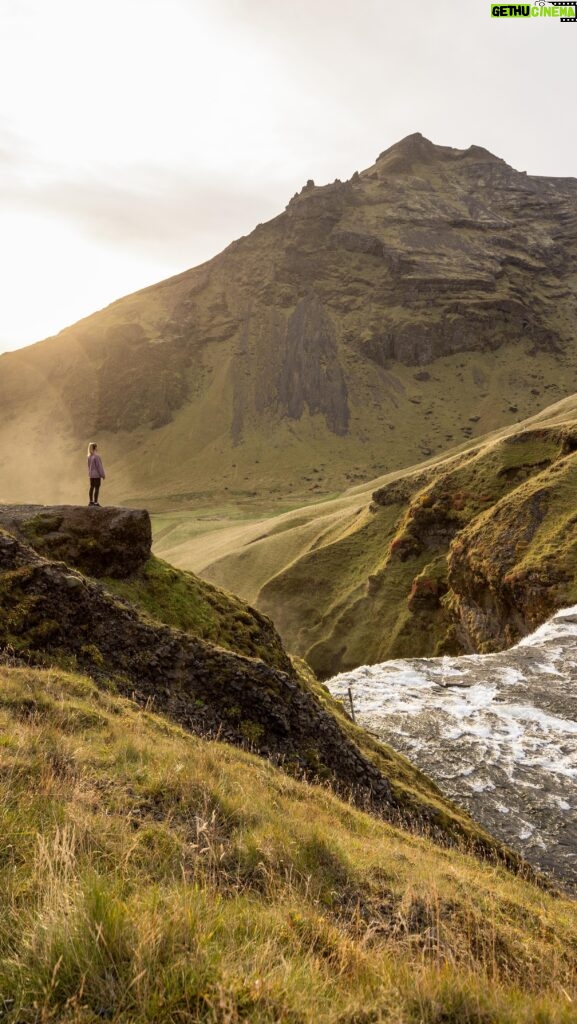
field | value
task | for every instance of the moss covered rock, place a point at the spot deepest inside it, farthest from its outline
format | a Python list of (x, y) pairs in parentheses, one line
[(99, 541)]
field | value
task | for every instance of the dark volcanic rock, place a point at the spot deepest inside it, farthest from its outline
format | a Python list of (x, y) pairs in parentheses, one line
[(99, 541), (310, 371), (479, 330)]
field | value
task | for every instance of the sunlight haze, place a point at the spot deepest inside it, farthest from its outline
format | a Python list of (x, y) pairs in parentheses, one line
[(138, 139)]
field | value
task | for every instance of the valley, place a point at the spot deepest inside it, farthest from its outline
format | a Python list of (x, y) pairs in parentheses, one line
[(462, 553)]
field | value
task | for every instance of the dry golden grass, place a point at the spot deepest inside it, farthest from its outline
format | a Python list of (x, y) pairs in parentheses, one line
[(147, 875)]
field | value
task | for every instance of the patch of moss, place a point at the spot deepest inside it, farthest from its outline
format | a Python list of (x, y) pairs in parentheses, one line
[(38, 526), (183, 600), (18, 606), (252, 732), (92, 652)]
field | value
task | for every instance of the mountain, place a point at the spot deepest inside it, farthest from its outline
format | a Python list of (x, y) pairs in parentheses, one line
[(429, 299), (467, 552)]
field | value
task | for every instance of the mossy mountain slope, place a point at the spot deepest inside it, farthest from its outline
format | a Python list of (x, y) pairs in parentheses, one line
[(52, 615), (465, 553), (149, 875), (318, 350)]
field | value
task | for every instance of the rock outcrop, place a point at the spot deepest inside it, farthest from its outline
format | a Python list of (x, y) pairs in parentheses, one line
[(98, 541), (498, 595)]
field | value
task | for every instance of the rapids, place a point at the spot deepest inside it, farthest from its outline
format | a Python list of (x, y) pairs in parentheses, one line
[(496, 732)]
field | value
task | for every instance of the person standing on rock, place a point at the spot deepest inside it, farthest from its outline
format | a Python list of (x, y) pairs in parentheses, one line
[(95, 472)]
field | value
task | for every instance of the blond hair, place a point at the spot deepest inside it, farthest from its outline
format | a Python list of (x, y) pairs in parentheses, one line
[(91, 447)]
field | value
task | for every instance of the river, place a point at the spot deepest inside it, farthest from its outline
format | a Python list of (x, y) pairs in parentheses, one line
[(496, 732)]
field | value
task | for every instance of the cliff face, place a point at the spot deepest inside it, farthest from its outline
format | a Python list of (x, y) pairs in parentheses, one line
[(493, 541), (509, 573), (329, 337)]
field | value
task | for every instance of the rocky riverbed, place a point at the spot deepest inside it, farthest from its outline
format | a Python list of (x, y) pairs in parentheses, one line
[(497, 732)]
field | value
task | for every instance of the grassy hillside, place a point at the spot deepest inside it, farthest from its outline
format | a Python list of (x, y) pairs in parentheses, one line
[(215, 666), (318, 351), (465, 552), (182, 600), (148, 875)]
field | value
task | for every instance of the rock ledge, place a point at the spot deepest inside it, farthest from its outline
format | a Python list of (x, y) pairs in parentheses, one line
[(98, 541)]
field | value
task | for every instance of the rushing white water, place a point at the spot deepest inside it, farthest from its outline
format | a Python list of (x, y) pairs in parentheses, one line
[(497, 732)]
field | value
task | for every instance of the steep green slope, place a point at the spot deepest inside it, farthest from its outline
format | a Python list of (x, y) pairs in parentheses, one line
[(319, 350), (183, 600), (148, 875), (467, 552), (242, 688)]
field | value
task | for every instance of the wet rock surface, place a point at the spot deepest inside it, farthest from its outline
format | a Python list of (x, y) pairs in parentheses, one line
[(497, 732), (99, 541)]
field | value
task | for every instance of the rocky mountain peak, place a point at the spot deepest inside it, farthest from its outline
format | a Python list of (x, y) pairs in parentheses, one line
[(414, 145), (415, 151), (480, 153)]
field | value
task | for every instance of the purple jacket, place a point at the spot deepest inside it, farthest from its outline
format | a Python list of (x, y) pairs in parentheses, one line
[(95, 467)]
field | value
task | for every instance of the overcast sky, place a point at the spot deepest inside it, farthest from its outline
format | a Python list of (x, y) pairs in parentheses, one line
[(139, 137)]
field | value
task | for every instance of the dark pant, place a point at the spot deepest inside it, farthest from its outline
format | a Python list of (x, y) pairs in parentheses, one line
[(94, 488)]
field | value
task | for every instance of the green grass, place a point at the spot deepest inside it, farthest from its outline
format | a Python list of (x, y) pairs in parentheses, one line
[(149, 876), (182, 600)]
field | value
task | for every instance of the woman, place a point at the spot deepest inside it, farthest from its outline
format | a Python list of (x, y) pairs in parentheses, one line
[(95, 472)]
